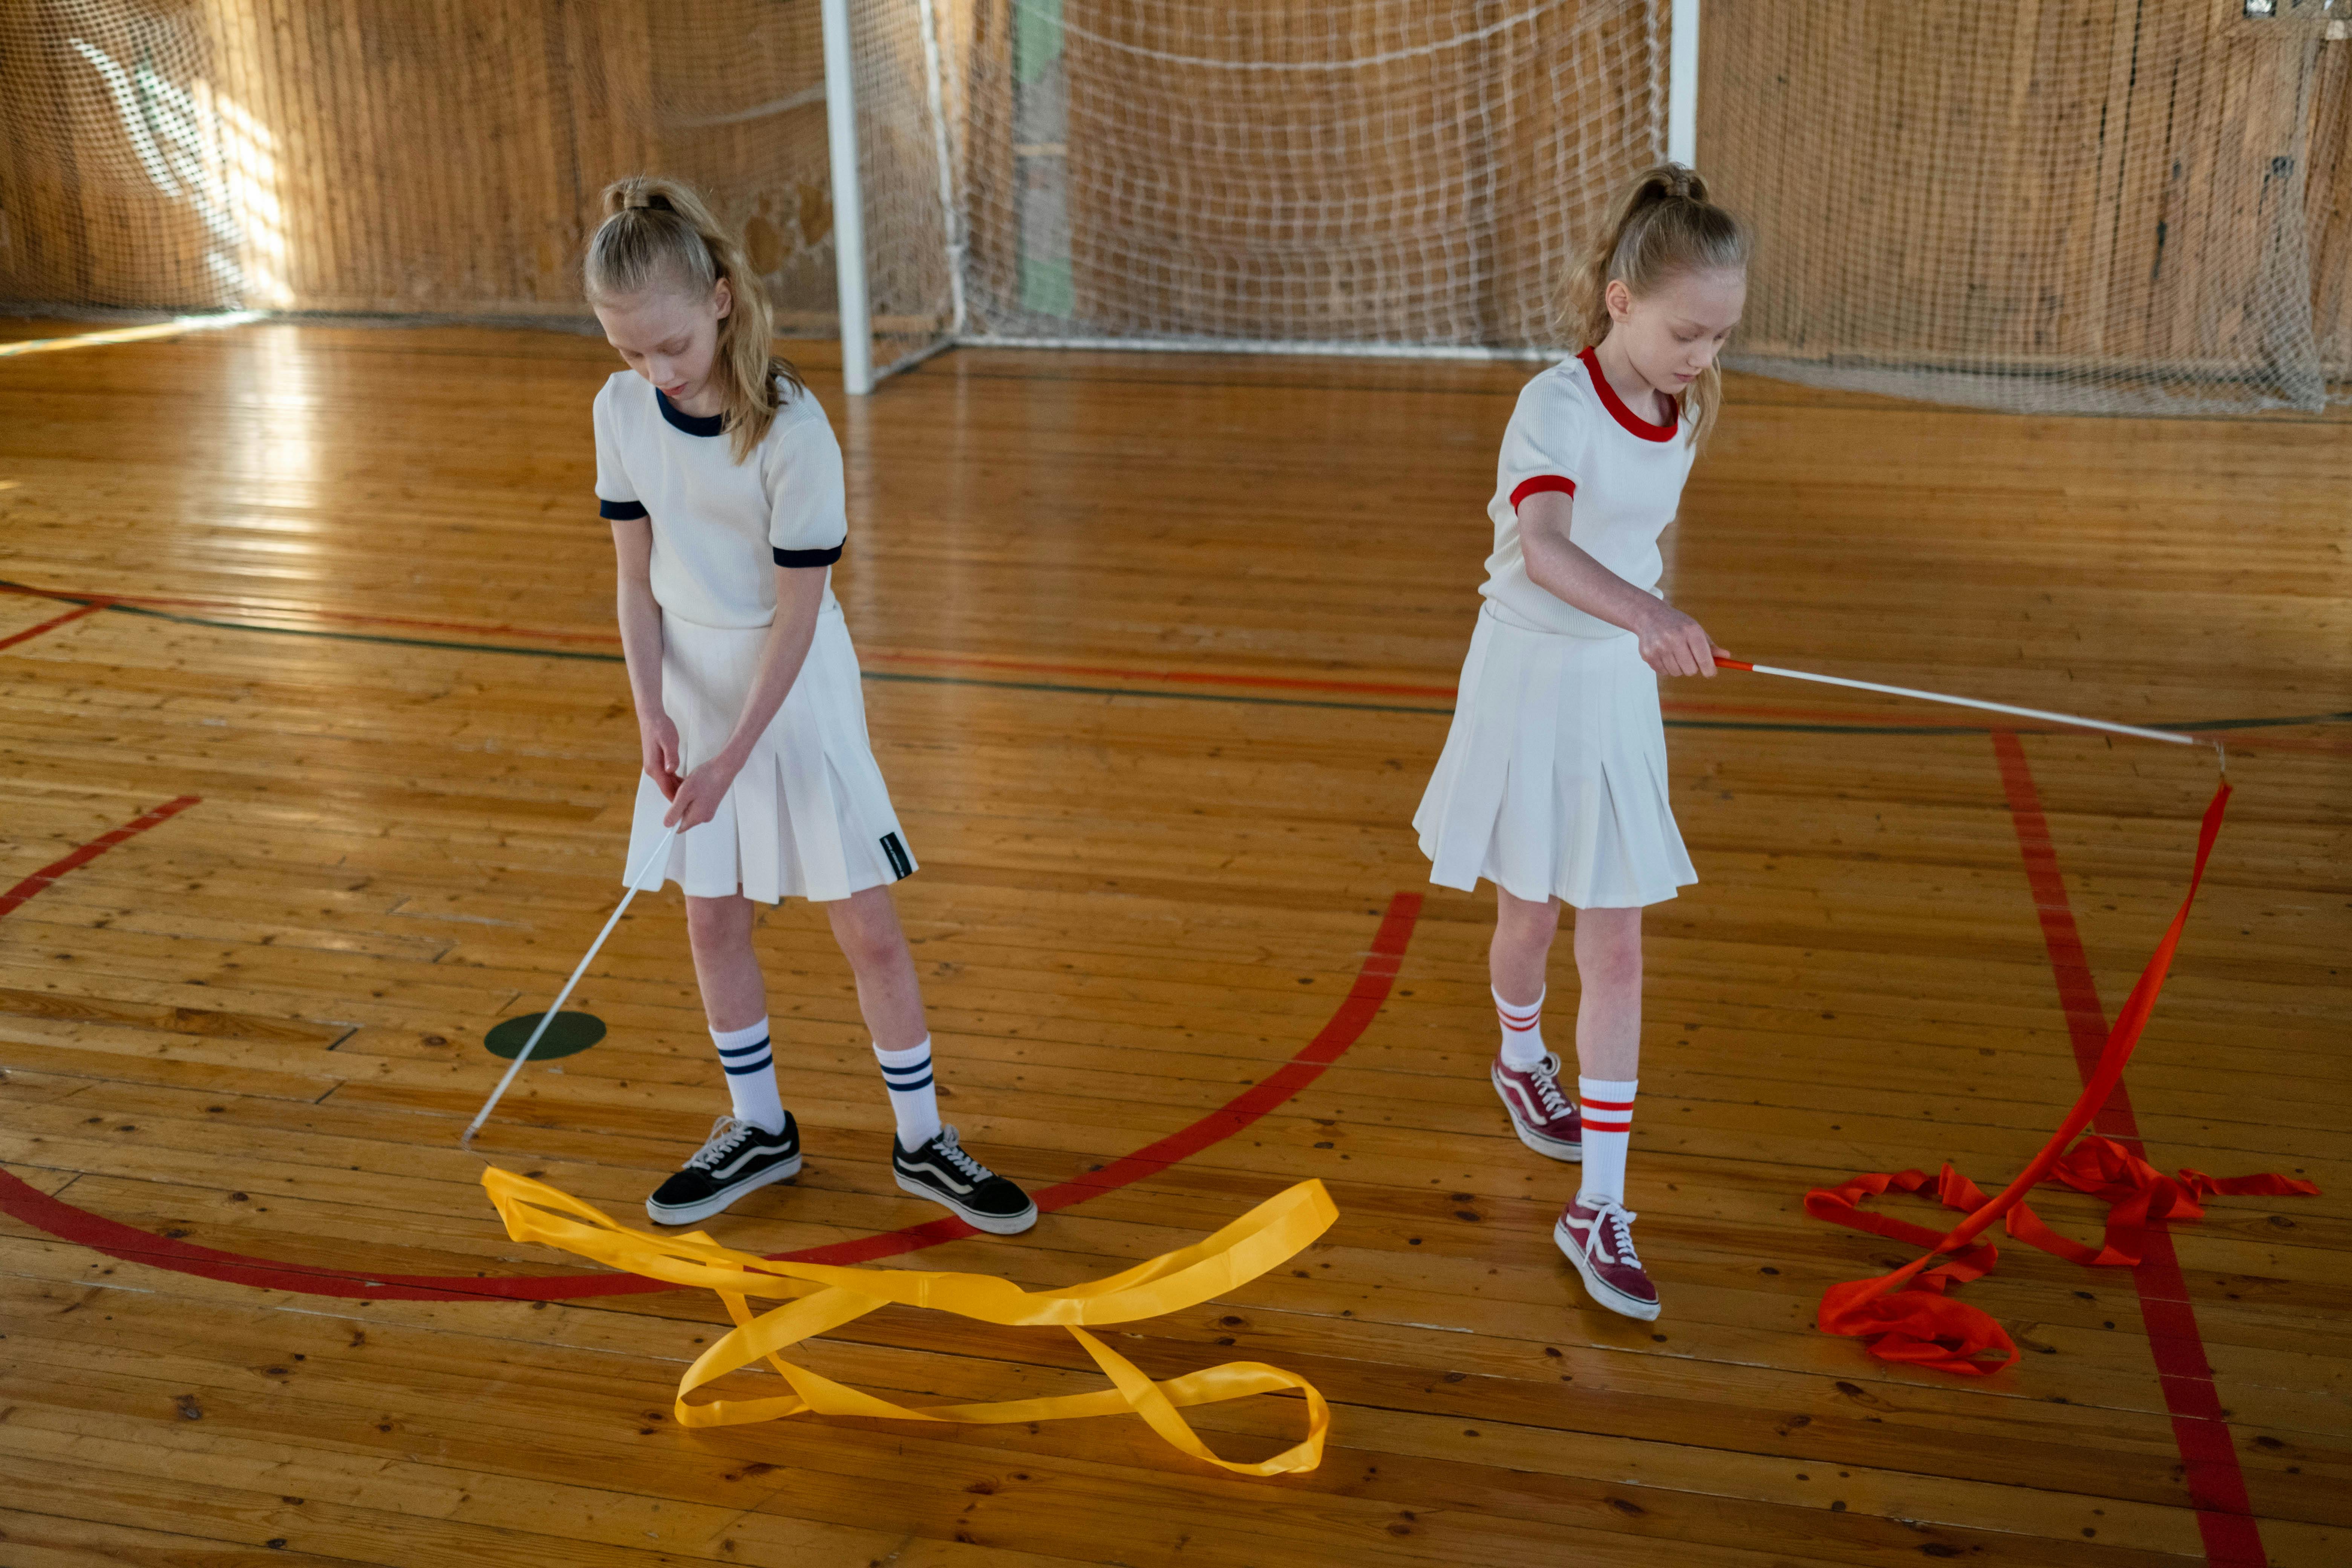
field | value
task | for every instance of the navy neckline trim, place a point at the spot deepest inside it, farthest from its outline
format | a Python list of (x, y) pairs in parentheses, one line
[(692, 424)]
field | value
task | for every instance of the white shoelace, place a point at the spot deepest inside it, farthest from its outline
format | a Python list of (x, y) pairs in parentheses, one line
[(1544, 1075), (946, 1144), (726, 1135), (1616, 1220)]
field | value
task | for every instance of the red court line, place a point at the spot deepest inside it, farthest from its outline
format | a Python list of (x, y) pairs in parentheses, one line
[(248, 608), (24, 1202), (91, 851), (52, 624), (479, 629), (2216, 1485)]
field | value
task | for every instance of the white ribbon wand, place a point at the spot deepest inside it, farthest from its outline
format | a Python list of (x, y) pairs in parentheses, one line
[(522, 1056), (2167, 736)]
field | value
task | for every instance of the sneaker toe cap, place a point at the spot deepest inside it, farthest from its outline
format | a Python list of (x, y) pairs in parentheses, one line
[(683, 1187)]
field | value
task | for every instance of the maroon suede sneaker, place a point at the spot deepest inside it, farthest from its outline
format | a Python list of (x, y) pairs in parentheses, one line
[(1545, 1119), (1595, 1233)]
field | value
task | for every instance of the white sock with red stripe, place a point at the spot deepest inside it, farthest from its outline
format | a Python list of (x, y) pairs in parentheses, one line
[(1523, 1045), (1607, 1107)]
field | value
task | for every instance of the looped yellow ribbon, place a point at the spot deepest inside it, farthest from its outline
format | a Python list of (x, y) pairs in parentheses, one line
[(823, 1297)]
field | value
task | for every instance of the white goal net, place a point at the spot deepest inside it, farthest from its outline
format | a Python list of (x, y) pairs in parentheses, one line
[(1360, 174)]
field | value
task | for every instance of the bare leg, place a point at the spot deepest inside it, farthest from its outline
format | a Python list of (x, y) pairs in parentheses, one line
[(866, 924), (734, 992), (1516, 958), (1609, 1010)]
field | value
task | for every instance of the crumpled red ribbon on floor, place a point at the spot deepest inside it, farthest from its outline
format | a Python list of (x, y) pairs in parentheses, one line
[(1909, 1315)]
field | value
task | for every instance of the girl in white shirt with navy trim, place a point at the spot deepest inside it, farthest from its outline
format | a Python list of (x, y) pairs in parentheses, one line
[(1553, 784), (723, 485)]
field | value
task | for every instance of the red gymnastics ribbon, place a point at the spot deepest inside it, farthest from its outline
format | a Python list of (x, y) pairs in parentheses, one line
[(1908, 1315)]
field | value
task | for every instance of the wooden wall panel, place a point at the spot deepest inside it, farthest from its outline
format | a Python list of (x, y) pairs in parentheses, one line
[(407, 156), (104, 194), (2328, 208), (2056, 183)]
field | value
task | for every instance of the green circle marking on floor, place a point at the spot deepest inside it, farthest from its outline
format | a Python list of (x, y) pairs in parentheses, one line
[(571, 1033)]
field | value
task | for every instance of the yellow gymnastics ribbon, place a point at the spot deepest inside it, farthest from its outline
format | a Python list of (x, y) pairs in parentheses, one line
[(822, 1298)]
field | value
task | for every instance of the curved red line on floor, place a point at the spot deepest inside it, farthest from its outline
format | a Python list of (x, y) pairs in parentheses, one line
[(24, 1202)]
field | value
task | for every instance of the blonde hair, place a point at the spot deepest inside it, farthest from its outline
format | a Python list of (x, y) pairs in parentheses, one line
[(658, 233), (1661, 223)]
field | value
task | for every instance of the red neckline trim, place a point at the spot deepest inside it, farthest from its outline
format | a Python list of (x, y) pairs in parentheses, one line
[(1616, 405)]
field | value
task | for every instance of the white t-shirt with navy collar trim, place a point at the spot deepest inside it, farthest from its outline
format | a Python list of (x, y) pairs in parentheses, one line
[(1571, 433), (720, 528)]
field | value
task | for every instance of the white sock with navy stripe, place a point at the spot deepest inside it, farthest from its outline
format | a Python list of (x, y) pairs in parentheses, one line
[(914, 1100), (750, 1075), (1523, 1045), (1606, 1106)]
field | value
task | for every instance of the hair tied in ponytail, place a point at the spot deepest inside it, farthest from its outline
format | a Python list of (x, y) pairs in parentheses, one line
[(1661, 222), (677, 244)]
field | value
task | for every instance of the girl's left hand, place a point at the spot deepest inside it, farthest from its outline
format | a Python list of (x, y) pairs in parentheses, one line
[(698, 794)]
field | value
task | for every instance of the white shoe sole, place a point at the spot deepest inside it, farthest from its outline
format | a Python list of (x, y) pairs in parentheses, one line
[(688, 1213), (1550, 1148), (1600, 1289), (995, 1224)]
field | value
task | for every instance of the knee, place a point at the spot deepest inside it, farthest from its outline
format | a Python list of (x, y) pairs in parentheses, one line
[(711, 923), (1608, 951), (867, 929), (1520, 924)]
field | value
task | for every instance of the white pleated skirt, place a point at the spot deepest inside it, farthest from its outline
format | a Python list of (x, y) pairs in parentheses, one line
[(1553, 780), (809, 816)]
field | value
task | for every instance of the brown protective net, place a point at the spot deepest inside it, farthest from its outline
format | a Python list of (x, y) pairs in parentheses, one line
[(2070, 205), (439, 158)]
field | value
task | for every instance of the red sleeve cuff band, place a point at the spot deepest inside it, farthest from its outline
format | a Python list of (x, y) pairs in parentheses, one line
[(1539, 484)]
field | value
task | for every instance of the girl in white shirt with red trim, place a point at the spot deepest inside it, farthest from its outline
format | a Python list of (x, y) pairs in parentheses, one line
[(723, 486), (1553, 784)]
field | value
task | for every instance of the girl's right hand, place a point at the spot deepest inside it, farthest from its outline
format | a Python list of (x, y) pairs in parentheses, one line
[(1674, 644), (658, 747)]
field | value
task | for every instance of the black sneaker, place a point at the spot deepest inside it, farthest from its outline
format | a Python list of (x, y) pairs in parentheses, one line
[(739, 1157), (942, 1172)]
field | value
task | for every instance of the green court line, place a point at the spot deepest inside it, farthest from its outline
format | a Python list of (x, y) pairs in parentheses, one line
[(1765, 726)]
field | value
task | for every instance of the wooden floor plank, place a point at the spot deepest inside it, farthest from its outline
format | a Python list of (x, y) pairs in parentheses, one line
[(1156, 684)]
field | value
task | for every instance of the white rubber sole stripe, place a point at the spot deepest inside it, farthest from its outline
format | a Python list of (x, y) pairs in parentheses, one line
[(687, 1213), (995, 1224), (1601, 1291)]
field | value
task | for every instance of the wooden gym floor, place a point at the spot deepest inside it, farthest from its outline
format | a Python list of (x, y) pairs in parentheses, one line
[(1159, 652)]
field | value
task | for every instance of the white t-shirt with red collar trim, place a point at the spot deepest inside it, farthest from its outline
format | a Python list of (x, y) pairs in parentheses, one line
[(721, 527), (1573, 433)]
